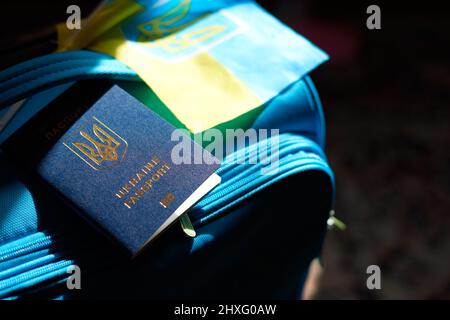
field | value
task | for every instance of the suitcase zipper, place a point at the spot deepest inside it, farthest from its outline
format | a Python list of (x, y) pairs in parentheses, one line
[(239, 181), (289, 144)]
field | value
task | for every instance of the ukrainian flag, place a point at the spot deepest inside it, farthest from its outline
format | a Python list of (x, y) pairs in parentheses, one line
[(208, 62)]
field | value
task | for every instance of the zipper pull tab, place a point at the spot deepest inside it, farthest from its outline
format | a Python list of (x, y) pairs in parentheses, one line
[(334, 222), (187, 226)]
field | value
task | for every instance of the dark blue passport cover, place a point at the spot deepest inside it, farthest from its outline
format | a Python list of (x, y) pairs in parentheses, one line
[(113, 163)]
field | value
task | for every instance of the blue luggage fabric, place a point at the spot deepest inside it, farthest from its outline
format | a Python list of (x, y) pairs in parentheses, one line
[(256, 234)]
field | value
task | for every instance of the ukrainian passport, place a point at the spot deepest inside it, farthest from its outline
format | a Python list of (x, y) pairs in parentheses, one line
[(119, 164)]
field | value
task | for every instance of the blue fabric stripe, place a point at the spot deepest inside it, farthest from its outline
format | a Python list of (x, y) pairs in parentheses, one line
[(274, 56)]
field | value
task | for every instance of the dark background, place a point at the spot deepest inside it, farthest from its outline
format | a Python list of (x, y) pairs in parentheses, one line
[(386, 96)]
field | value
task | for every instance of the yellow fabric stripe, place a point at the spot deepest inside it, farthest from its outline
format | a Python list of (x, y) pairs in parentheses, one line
[(199, 90)]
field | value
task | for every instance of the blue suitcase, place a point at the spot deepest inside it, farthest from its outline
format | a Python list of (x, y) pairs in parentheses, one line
[(256, 233)]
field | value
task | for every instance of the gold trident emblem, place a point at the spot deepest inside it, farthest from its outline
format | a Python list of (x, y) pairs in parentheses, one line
[(105, 148)]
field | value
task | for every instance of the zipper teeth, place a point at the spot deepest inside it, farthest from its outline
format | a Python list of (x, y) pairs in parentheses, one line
[(285, 146), (51, 270), (243, 178), (247, 152), (250, 169), (26, 248), (206, 206), (256, 178), (306, 155), (238, 171), (286, 139), (224, 207), (300, 145)]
